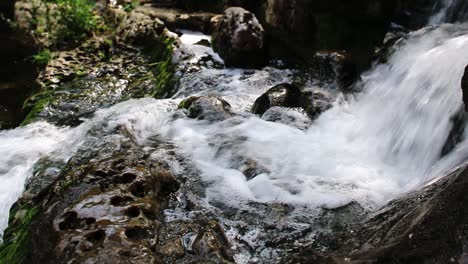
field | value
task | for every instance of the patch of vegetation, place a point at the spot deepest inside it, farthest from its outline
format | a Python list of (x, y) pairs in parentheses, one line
[(43, 57), (66, 23), (130, 6), (37, 103), (186, 103), (75, 20), (163, 68), (15, 240)]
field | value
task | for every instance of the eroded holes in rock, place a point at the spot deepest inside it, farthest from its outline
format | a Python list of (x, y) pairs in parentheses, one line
[(120, 167), (127, 177), (101, 173), (121, 200), (138, 189), (149, 213), (90, 221), (133, 211), (137, 233), (70, 221), (127, 253), (96, 236)]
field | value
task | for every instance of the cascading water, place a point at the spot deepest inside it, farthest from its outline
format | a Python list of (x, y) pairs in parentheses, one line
[(441, 14), (368, 148)]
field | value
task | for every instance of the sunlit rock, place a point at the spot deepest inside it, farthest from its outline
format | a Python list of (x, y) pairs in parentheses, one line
[(239, 38)]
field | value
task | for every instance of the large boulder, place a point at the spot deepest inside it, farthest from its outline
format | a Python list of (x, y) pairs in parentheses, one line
[(140, 28), (239, 38)]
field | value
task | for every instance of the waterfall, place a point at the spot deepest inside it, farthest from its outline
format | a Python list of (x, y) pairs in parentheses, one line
[(442, 12), (368, 148)]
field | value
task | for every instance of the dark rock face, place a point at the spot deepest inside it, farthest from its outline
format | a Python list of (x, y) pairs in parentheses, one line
[(456, 135), (240, 39), (301, 27), (416, 13), (207, 108), (17, 73), (464, 86), (201, 5), (426, 226)]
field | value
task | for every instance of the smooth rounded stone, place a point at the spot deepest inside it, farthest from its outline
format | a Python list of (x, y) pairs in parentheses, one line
[(239, 38), (287, 116), (208, 108), (284, 95), (138, 28)]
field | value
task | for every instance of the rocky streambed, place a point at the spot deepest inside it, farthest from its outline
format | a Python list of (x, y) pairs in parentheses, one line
[(143, 146)]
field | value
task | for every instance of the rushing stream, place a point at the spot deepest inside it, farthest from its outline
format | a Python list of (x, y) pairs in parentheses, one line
[(369, 148)]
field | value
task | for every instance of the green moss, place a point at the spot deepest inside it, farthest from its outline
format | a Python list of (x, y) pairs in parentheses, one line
[(37, 103), (15, 240), (163, 68), (130, 6), (186, 103), (43, 57)]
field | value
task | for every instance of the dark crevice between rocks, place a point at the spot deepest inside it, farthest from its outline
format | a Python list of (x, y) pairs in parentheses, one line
[(17, 71)]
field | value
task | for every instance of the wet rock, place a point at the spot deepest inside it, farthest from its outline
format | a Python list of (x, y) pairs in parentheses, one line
[(239, 38), (139, 28), (426, 226), (284, 95), (290, 96), (176, 19), (207, 108), (464, 87), (456, 135), (287, 116), (334, 67)]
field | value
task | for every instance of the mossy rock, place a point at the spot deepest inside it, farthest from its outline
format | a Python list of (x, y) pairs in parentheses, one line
[(16, 237)]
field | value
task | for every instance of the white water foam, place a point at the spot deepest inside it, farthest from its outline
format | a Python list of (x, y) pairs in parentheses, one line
[(20, 149)]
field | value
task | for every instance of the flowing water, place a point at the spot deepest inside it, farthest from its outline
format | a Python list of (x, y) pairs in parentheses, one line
[(442, 13), (369, 148)]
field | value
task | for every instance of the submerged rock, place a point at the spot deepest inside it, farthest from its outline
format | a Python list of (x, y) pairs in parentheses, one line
[(239, 38), (287, 116), (208, 108)]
